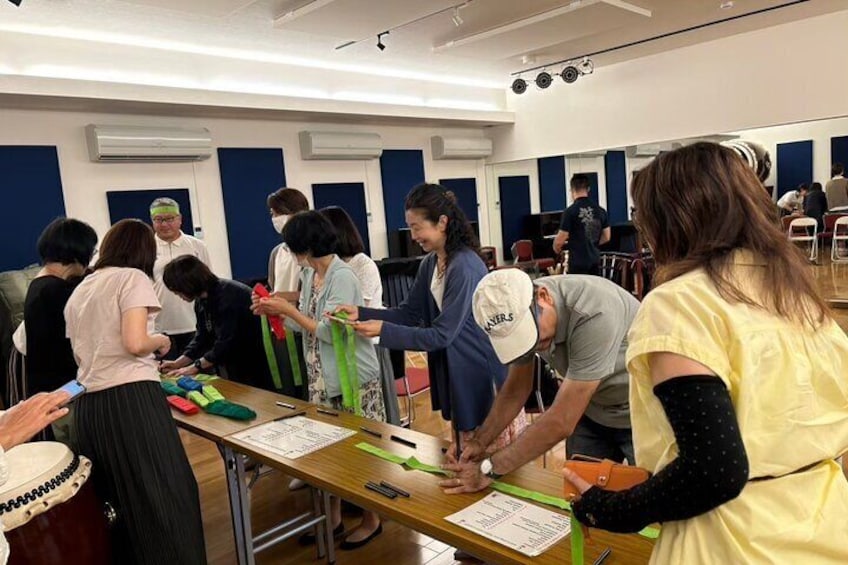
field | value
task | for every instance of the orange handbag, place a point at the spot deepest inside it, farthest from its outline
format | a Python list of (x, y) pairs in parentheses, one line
[(604, 474)]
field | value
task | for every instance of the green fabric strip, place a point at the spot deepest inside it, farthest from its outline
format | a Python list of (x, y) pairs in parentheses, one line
[(345, 352), (561, 503), (270, 356), (577, 543), (294, 360), (201, 378), (164, 210)]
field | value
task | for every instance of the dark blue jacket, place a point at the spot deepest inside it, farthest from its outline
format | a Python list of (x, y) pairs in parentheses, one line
[(464, 370)]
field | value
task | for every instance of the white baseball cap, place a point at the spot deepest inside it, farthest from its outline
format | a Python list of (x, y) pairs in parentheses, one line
[(503, 307)]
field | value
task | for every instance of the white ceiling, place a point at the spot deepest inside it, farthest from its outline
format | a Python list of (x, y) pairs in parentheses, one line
[(477, 54)]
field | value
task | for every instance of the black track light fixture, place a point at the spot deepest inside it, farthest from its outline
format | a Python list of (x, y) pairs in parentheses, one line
[(380, 45), (544, 80), (16, 2), (570, 74), (519, 86)]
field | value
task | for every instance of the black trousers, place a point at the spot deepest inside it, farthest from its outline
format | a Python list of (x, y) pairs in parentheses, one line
[(141, 468), (179, 343)]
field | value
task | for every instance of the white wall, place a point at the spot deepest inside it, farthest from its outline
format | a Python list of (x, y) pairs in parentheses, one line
[(819, 132), (85, 183), (777, 75)]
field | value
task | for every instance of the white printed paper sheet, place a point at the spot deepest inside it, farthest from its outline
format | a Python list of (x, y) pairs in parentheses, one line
[(519, 525), (294, 437)]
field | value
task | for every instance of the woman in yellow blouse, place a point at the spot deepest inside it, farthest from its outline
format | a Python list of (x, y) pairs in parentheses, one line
[(739, 394)]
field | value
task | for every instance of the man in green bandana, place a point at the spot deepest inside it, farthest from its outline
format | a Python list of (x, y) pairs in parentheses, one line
[(177, 319)]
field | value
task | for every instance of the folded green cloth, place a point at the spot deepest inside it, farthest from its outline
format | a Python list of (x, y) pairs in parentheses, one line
[(198, 399), (230, 410), (211, 393), (170, 388)]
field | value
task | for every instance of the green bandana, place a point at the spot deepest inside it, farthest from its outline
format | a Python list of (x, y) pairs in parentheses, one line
[(175, 210)]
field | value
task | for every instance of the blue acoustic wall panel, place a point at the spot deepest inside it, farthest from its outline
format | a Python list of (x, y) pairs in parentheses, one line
[(136, 204), (593, 184), (616, 173), (465, 191), (349, 196), (401, 170), (794, 165), (247, 177), (515, 206), (838, 151), (552, 184), (31, 188)]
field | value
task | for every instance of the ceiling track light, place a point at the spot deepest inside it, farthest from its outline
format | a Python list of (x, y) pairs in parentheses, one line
[(16, 2), (456, 18), (380, 45), (572, 71), (519, 86)]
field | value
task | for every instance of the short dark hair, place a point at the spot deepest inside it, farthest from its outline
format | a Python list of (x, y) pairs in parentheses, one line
[(67, 241), (129, 243), (815, 186), (580, 181), (804, 186), (287, 201), (837, 169), (350, 240), (310, 233), (188, 276)]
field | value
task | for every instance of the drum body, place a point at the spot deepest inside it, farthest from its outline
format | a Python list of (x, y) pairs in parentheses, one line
[(49, 509)]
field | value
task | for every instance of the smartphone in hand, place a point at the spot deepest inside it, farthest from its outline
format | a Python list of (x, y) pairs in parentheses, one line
[(74, 388)]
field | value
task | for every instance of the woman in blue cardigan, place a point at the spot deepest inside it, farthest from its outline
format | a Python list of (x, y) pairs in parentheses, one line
[(436, 315), (326, 283)]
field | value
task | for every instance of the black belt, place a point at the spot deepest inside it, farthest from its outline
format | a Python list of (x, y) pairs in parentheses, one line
[(795, 472)]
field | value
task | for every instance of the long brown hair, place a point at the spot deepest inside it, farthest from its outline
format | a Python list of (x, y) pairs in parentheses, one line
[(697, 204), (129, 243)]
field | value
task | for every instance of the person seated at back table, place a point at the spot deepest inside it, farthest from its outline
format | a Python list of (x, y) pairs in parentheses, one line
[(228, 336)]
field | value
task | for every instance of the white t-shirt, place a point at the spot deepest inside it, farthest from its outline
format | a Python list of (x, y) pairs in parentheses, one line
[(792, 198), (93, 324), (369, 279), (286, 270), (437, 287), (177, 315)]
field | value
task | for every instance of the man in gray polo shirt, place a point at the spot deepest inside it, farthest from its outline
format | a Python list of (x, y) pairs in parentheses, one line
[(579, 325)]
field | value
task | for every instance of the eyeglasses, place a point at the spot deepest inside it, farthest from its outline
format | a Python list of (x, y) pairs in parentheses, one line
[(166, 220)]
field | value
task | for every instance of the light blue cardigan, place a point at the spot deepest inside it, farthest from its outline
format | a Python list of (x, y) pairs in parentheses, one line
[(340, 287)]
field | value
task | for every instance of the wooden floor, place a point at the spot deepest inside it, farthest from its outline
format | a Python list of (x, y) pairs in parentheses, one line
[(398, 545)]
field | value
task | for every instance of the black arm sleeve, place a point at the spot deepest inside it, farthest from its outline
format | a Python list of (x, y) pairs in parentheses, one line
[(202, 338), (711, 467)]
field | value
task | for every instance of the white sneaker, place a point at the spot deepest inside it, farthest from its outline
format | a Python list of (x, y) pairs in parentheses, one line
[(296, 484)]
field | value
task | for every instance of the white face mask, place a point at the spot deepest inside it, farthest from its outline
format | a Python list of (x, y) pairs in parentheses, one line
[(279, 222)]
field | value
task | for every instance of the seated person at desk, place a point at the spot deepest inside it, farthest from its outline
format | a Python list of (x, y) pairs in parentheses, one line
[(228, 336), (793, 201), (326, 283), (579, 325), (583, 229)]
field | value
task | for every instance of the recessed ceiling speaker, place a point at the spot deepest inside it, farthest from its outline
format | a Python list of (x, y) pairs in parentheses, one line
[(544, 80), (755, 156), (570, 74), (519, 86)]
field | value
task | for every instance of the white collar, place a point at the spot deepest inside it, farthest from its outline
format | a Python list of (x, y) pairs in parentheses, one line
[(177, 241)]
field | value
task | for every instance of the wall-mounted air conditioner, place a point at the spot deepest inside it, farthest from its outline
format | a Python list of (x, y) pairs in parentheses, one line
[(460, 147), (649, 149), (151, 144), (316, 145)]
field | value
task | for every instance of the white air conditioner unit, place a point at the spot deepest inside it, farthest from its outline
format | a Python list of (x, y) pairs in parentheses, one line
[(152, 144), (460, 147), (317, 145), (649, 149)]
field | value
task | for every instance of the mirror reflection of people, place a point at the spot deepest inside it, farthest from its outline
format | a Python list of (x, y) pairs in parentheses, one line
[(123, 423), (176, 320), (738, 395)]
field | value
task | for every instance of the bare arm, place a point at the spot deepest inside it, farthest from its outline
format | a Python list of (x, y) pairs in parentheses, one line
[(560, 240), (134, 334), (606, 235)]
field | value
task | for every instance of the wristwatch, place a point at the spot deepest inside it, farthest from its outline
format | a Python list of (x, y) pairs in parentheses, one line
[(198, 364), (488, 469)]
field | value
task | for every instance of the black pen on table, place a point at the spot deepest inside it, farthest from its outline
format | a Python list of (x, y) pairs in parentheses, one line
[(371, 432), (403, 441), (326, 412), (292, 415), (603, 556)]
